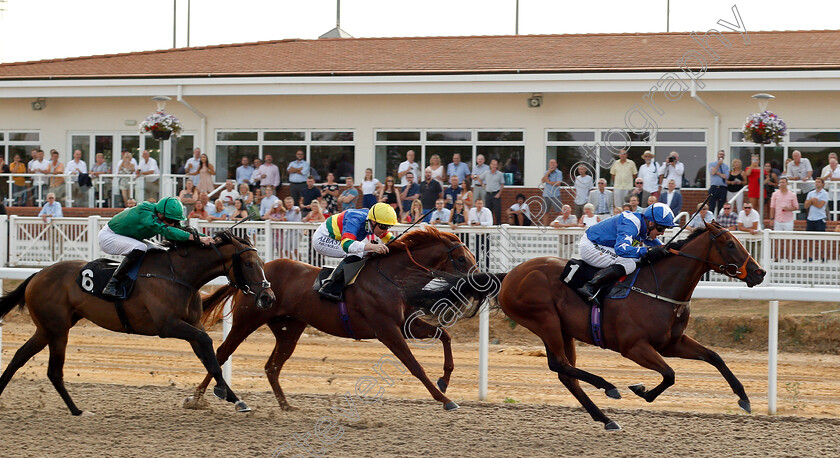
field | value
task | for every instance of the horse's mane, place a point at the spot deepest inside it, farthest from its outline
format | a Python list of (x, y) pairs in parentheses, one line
[(417, 238), (680, 244), (226, 235)]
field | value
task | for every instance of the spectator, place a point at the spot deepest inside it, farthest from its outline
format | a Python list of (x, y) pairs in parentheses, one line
[(254, 182), (188, 196), (831, 172), (309, 195), (193, 165), (56, 169), (719, 173), (700, 220), (494, 183), (652, 200), (268, 200), (815, 203), (244, 172), (589, 218), (753, 183), (459, 215), (18, 183), (349, 196), (441, 214), (229, 195), (371, 188), (315, 214), (39, 166), (430, 192), (4, 182), (674, 169), (623, 173), (298, 172), (240, 211), (330, 192), (130, 203), (268, 173), (99, 168), (634, 205), (748, 220), (651, 173), (466, 194), (728, 218), (126, 167), (206, 174), (583, 185), (254, 208), (734, 183), (218, 212), (452, 192), (625, 208), (551, 181), (406, 167), (73, 169), (799, 169), (519, 213), (457, 168), (602, 199), (293, 214), (672, 197), (410, 192), (246, 195), (148, 168), (204, 198), (638, 191), (565, 218), (479, 215), (415, 213), (479, 191), (771, 180), (51, 209), (390, 195), (782, 205), (438, 170), (276, 213)]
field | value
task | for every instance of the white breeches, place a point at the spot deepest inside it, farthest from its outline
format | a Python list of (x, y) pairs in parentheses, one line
[(603, 256), (113, 243), (326, 245)]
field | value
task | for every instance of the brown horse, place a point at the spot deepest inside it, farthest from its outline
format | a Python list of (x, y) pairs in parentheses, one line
[(640, 327), (377, 306), (166, 304)]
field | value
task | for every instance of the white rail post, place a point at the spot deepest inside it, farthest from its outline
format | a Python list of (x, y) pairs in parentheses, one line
[(483, 350), (227, 322), (772, 356), (93, 236)]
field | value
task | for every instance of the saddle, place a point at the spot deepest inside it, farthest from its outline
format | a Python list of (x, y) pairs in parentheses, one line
[(95, 275), (351, 271)]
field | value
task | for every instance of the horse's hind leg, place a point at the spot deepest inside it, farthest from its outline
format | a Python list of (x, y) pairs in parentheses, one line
[(286, 335), (29, 349), (423, 330), (645, 355), (55, 370), (689, 348)]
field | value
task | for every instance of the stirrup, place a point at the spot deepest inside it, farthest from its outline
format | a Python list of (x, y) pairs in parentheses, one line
[(110, 289)]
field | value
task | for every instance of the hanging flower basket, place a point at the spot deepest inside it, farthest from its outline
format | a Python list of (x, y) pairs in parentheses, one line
[(764, 128), (161, 125)]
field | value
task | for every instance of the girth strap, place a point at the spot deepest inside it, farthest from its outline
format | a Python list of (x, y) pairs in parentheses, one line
[(597, 329), (345, 319), (123, 317)]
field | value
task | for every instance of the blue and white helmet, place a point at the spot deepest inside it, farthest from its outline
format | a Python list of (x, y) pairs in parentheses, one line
[(660, 214)]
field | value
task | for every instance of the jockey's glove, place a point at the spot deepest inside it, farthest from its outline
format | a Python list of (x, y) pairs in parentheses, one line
[(654, 254)]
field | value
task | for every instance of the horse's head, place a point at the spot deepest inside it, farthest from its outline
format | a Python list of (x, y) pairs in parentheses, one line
[(730, 258), (245, 271)]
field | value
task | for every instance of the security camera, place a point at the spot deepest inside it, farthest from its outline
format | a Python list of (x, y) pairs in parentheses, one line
[(39, 104), (535, 101)]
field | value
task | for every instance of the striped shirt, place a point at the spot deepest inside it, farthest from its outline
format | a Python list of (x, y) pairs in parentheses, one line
[(349, 228)]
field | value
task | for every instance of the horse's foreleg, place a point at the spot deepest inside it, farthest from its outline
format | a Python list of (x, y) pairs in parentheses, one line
[(644, 355), (286, 335), (689, 348), (392, 337), (29, 349), (423, 330), (237, 335)]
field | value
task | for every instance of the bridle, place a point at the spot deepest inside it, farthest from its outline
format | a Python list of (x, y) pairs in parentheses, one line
[(730, 270), (237, 280), (448, 256)]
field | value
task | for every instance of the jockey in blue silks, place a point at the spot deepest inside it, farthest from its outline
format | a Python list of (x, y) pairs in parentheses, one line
[(616, 245)]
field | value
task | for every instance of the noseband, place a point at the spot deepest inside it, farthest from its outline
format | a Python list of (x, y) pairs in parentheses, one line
[(237, 280), (730, 270)]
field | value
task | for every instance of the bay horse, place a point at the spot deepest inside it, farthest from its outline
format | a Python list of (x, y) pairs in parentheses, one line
[(642, 327), (165, 302), (376, 306)]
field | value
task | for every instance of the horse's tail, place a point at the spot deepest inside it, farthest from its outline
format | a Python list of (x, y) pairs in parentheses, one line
[(465, 292), (16, 297), (213, 305)]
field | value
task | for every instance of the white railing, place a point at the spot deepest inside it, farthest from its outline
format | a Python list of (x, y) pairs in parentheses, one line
[(790, 258)]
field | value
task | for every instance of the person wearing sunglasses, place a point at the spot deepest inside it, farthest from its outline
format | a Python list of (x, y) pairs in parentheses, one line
[(125, 234), (347, 235), (616, 244)]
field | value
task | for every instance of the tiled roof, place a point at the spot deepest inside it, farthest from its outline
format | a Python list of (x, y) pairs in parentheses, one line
[(797, 50)]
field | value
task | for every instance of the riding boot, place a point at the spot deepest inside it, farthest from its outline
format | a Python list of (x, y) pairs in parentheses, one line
[(110, 289), (333, 286), (602, 278)]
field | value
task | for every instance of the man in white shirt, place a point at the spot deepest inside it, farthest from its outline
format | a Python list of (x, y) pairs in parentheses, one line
[(148, 167), (478, 186), (228, 195), (40, 166), (832, 170), (72, 170), (650, 172), (268, 200), (480, 216), (192, 165), (748, 220), (268, 173), (519, 214), (408, 166), (441, 213), (565, 218), (674, 169), (583, 185)]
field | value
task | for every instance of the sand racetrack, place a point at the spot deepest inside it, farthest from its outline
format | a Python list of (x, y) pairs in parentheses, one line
[(135, 386)]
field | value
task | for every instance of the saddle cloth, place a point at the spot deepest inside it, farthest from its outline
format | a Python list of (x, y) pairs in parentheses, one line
[(351, 271), (95, 275), (577, 273)]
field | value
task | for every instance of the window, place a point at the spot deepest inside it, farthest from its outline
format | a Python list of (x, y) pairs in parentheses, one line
[(16, 142), (507, 146), (325, 150)]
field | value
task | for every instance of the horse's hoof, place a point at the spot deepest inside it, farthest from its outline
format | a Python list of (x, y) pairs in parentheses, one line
[(194, 403), (451, 405), (442, 385), (85, 413), (241, 407), (288, 408), (612, 426), (745, 404), (613, 393), (220, 392), (639, 389)]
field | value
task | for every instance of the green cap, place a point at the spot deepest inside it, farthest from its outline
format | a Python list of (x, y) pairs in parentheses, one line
[(171, 208)]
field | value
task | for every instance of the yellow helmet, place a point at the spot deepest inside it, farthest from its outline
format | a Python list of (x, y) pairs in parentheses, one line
[(383, 213)]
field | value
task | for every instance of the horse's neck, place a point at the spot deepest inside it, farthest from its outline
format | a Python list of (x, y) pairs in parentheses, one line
[(197, 267), (677, 276)]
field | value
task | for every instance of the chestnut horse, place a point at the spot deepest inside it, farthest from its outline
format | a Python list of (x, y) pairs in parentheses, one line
[(641, 327), (376, 305), (166, 304)]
